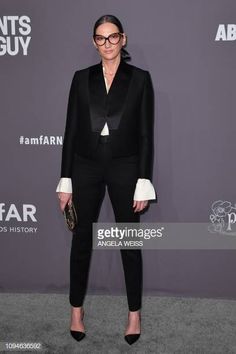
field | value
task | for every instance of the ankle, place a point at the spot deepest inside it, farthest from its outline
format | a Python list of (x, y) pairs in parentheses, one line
[(77, 312), (134, 313), (78, 309)]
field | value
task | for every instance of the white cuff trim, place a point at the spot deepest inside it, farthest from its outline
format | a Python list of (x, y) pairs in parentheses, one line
[(144, 190), (64, 185)]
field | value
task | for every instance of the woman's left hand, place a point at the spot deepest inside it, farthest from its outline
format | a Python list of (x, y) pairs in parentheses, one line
[(139, 205)]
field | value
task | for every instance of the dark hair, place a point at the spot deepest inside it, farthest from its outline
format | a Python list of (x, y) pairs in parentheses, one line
[(112, 19)]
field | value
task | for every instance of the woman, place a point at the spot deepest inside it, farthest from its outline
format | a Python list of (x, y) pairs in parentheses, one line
[(108, 141)]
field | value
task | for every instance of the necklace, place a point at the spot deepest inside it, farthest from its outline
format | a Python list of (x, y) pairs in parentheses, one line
[(109, 73), (106, 73)]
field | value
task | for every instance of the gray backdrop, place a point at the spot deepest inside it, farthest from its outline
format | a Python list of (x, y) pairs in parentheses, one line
[(194, 80)]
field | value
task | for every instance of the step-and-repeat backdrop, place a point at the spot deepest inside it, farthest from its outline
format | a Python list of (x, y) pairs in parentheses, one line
[(189, 47)]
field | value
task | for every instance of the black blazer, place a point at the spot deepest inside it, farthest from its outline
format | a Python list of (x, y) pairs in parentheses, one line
[(128, 109)]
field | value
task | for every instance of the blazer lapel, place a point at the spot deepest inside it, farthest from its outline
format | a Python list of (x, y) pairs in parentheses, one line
[(108, 107), (97, 97), (117, 95)]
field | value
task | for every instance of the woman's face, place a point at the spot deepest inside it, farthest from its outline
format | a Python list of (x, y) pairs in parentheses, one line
[(109, 51)]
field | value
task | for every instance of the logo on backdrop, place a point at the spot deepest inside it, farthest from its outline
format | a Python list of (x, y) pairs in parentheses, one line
[(14, 35), (226, 32), (41, 140), (223, 217), (15, 219)]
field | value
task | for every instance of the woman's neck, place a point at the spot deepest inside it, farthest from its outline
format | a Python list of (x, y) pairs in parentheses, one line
[(111, 66)]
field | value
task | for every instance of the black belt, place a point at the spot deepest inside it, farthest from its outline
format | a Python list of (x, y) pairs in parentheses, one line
[(103, 139)]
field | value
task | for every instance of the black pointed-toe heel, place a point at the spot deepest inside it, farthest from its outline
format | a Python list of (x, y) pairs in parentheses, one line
[(132, 338), (78, 335)]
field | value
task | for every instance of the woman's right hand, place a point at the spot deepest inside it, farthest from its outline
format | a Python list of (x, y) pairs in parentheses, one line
[(64, 198)]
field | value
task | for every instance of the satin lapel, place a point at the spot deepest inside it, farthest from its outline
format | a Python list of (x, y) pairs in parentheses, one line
[(97, 97), (108, 107), (117, 95)]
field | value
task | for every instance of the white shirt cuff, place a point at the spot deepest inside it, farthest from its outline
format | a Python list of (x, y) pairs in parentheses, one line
[(64, 185), (144, 190)]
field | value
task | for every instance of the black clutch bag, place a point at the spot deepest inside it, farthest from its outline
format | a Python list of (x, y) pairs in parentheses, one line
[(70, 216)]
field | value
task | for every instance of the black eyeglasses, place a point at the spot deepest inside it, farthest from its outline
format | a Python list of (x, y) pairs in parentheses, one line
[(113, 38)]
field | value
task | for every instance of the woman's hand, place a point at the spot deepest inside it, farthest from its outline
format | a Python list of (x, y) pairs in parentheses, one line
[(64, 199), (139, 205)]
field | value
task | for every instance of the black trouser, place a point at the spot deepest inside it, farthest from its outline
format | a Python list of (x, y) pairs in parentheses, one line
[(89, 181)]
